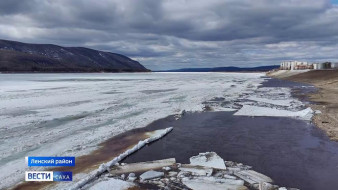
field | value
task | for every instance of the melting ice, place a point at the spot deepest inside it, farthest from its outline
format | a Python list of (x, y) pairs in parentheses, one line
[(70, 114)]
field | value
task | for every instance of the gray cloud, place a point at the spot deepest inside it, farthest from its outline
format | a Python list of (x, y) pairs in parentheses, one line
[(181, 33), (16, 6)]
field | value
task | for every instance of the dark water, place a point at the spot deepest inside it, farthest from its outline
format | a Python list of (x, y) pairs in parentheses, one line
[(292, 152)]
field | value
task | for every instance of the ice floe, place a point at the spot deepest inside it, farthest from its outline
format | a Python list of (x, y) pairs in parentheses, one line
[(111, 183), (253, 177), (247, 110), (195, 177), (142, 166), (151, 174), (208, 159), (210, 183), (196, 170)]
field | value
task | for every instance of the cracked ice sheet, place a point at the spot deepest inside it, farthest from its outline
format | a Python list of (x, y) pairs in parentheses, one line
[(70, 114)]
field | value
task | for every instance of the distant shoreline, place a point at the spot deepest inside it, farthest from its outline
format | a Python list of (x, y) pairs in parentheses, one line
[(208, 71), (225, 69)]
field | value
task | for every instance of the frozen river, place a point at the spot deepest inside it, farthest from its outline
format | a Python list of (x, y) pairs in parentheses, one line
[(70, 114)]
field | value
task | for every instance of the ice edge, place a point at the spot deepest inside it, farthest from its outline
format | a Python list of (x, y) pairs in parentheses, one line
[(104, 167)]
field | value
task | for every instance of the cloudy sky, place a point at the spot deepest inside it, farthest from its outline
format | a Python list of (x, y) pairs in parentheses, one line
[(172, 34)]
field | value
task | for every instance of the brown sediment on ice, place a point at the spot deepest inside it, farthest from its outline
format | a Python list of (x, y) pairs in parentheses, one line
[(326, 98), (84, 164)]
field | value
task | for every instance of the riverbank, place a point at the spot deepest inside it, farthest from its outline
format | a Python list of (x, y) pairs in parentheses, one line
[(325, 99)]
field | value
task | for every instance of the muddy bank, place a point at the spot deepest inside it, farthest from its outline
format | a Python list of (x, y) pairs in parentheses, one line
[(325, 99)]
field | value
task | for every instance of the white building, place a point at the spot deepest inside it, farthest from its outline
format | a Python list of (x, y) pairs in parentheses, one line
[(334, 65), (318, 66), (301, 65), (295, 65)]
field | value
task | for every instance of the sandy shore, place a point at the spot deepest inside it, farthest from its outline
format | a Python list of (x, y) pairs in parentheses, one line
[(325, 99)]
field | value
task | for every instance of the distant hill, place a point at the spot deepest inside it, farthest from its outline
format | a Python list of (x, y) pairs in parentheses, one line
[(23, 57), (226, 69)]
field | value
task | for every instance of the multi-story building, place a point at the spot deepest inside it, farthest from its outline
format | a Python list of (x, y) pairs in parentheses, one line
[(325, 65), (301, 65), (295, 65)]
